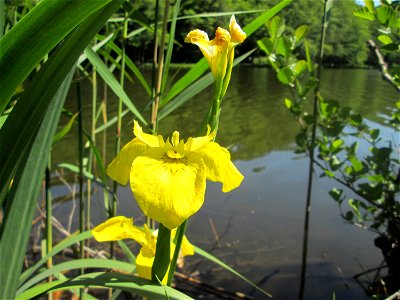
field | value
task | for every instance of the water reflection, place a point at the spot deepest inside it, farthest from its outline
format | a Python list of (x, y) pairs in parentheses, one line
[(258, 228)]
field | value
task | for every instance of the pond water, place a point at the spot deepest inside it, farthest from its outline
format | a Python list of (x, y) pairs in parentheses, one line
[(258, 228)]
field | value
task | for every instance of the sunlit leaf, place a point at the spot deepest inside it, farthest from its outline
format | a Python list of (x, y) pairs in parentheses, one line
[(364, 13)]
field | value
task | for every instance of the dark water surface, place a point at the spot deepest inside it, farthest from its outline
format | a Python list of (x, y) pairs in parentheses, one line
[(258, 228)]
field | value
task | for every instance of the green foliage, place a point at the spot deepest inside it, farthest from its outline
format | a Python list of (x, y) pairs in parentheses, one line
[(40, 51), (373, 177)]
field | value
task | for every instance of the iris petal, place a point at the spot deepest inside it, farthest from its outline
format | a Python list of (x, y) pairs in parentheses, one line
[(196, 143), (118, 228), (166, 189), (120, 167), (148, 139), (237, 34), (219, 166)]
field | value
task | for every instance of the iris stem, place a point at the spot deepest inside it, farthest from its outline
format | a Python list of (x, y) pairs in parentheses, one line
[(162, 257), (178, 243)]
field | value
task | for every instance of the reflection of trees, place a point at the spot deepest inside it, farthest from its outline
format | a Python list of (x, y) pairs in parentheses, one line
[(253, 121), (362, 90)]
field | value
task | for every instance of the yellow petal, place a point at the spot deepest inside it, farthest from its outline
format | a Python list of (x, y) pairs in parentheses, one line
[(166, 189), (200, 38), (187, 248), (118, 228), (144, 263), (219, 52), (195, 36), (120, 168), (195, 143), (148, 139), (219, 166), (237, 34)]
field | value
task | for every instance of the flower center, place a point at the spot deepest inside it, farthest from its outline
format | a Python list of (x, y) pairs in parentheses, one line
[(176, 149)]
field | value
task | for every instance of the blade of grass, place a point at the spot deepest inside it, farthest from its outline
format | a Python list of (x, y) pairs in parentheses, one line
[(76, 264), (225, 266), (56, 249), (20, 206), (125, 282), (194, 89), (34, 36), (112, 82), (29, 110)]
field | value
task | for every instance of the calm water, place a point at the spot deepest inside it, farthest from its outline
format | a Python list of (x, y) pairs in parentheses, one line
[(257, 228)]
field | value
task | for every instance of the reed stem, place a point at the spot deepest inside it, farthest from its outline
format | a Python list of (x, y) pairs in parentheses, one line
[(154, 112), (49, 215), (81, 194), (119, 116), (2, 17), (311, 152)]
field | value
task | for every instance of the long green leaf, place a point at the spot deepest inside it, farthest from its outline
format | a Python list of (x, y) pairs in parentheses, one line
[(28, 132), (77, 264), (112, 82), (34, 36), (22, 200), (170, 44), (29, 110), (125, 282), (59, 247), (59, 135), (225, 266), (194, 89), (130, 65), (201, 66)]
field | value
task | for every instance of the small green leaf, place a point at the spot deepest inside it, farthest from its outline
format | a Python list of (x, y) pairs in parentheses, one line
[(386, 15), (284, 46), (385, 39), (349, 216), (265, 45), (300, 33), (288, 103), (364, 13), (354, 205), (374, 133), (376, 178), (276, 27), (370, 5), (300, 67), (329, 173), (336, 194), (357, 165), (337, 143), (286, 75)]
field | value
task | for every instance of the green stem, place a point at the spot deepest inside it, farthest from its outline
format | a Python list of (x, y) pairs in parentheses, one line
[(311, 150), (49, 214), (180, 232), (119, 122), (81, 178), (154, 113), (162, 257), (2, 14)]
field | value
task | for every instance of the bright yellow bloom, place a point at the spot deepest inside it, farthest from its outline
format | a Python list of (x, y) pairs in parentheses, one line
[(119, 228), (218, 51), (168, 178)]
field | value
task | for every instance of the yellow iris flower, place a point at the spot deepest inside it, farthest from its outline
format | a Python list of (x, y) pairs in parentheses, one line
[(168, 178), (219, 52), (119, 228)]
